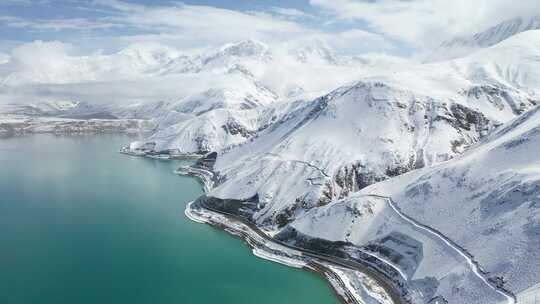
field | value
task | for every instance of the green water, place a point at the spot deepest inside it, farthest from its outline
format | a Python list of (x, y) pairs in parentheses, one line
[(81, 223)]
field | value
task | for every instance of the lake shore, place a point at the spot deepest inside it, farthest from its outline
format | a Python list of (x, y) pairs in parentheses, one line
[(341, 277), (351, 285), (262, 249)]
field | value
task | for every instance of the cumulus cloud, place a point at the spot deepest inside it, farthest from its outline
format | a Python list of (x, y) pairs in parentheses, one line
[(424, 23), (191, 26), (207, 25), (135, 74), (120, 91), (196, 26), (51, 55)]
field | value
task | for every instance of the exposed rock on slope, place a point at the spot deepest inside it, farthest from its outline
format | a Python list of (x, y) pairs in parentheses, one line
[(376, 129), (494, 189), (296, 178)]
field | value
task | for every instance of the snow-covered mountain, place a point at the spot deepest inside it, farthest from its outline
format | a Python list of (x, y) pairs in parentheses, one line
[(464, 45), (378, 128), (427, 169), (494, 189), (214, 120), (484, 201), (316, 52), (210, 101), (296, 177)]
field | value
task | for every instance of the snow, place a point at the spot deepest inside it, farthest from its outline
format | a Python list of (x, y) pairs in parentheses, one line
[(366, 290), (364, 220), (324, 140), (391, 123), (425, 113), (460, 46), (491, 189)]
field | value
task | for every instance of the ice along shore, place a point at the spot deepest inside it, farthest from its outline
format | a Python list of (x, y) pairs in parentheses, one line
[(351, 281)]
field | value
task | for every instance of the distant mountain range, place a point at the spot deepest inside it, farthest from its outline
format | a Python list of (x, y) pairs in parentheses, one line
[(460, 46), (430, 168)]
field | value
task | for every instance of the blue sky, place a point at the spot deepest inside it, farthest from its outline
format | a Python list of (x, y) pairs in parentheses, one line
[(89, 9), (350, 26)]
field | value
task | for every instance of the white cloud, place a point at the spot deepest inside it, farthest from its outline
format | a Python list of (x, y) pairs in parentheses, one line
[(55, 24), (119, 5), (197, 26), (290, 13), (208, 23), (361, 41), (134, 74), (4, 58), (23, 2), (191, 27), (51, 54), (424, 23)]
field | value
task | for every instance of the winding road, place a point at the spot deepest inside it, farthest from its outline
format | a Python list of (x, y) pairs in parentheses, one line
[(474, 265), (394, 294)]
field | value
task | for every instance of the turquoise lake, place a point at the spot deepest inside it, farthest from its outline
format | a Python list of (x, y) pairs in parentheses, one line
[(81, 223)]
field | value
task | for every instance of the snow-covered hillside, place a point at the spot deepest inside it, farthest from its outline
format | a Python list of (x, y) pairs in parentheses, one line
[(377, 128), (428, 169), (296, 178), (200, 103), (485, 200), (461, 46)]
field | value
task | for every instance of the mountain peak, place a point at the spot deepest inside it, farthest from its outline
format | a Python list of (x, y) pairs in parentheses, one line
[(245, 48), (461, 46), (316, 50)]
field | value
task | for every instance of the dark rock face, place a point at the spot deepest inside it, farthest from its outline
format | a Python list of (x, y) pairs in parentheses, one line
[(284, 217), (438, 300), (207, 162), (498, 281), (499, 97), (293, 237), (241, 208), (233, 127), (465, 118), (356, 177), (203, 144)]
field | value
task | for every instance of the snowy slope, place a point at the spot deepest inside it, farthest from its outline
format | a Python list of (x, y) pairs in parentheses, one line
[(214, 120), (439, 144), (462, 46), (252, 88), (315, 53), (378, 128), (210, 101), (486, 200), (47, 108), (464, 230)]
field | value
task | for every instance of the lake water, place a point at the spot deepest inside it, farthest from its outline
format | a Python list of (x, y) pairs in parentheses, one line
[(81, 223)]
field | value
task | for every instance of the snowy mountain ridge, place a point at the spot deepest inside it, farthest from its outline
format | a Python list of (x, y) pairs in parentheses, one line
[(460, 46), (427, 172), (304, 168)]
